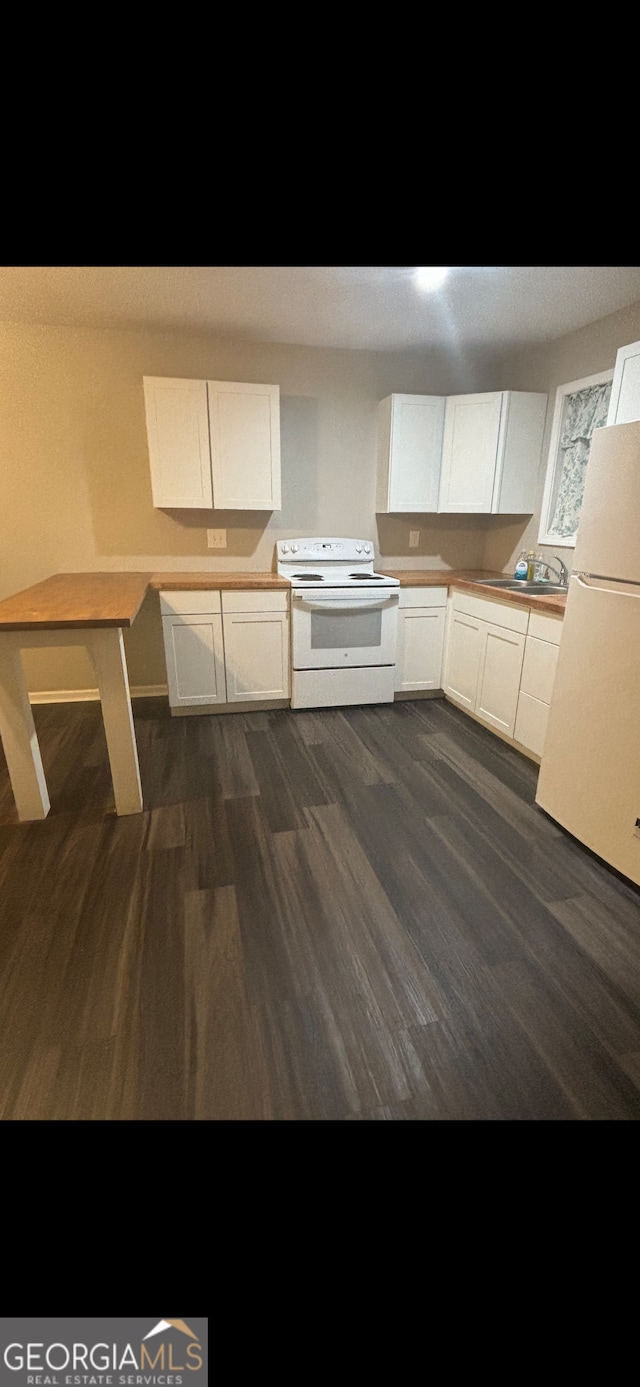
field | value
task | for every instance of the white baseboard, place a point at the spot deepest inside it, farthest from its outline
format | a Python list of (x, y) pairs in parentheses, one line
[(93, 695)]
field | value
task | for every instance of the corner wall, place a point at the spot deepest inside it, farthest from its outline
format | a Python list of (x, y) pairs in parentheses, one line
[(583, 353)]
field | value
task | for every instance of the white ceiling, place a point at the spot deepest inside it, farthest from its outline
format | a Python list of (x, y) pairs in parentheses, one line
[(367, 307)]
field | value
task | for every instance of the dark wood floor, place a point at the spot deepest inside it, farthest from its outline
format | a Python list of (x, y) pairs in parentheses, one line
[(346, 914)]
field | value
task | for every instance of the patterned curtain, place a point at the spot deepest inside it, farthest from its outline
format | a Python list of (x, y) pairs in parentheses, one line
[(583, 412)]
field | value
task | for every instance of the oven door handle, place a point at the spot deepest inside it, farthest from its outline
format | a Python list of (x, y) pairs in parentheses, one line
[(347, 605)]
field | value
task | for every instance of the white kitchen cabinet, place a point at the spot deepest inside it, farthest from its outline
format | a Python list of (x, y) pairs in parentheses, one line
[(244, 423), (256, 645), (421, 627), (483, 660), (624, 404), (465, 640), (499, 680), (537, 680), (409, 453), (194, 649), (178, 438), (213, 444), (491, 452), (225, 648)]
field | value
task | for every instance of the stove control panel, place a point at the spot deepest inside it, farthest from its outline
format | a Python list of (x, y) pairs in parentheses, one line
[(342, 550)]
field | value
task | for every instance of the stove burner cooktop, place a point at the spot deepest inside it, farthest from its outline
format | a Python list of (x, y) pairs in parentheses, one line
[(366, 577), (308, 577)]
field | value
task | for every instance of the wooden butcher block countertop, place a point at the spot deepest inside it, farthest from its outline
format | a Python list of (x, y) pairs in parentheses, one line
[(470, 579), (70, 600), (193, 582), (114, 599)]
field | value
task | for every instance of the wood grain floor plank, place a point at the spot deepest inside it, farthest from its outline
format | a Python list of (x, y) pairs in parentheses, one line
[(276, 794), (267, 963), (456, 767), (594, 1083), (383, 960), (226, 1074)]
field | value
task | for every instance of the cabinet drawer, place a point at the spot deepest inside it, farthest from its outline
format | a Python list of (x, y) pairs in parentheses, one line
[(191, 603), (423, 597), (539, 668), (546, 628), (255, 601), (498, 613)]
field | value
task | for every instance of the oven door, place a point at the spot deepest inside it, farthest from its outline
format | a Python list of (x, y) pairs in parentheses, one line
[(342, 629)]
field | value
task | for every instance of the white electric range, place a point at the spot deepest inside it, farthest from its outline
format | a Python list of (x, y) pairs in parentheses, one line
[(344, 621)]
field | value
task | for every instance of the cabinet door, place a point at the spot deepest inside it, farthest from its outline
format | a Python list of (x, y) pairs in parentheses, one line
[(420, 643), (178, 439), (531, 723), (499, 682), (624, 405), (409, 453), (470, 452), (519, 453), (539, 668), (195, 659), (245, 445), (256, 646), (464, 650)]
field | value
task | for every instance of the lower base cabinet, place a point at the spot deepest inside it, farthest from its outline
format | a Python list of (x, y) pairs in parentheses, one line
[(536, 684), (194, 648), (256, 645), (484, 657), (500, 664), (462, 662), (499, 683), (227, 648), (421, 627)]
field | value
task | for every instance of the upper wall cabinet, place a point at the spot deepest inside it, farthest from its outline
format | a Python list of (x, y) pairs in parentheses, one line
[(491, 453), (624, 404), (409, 452), (178, 438), (471, 454), (213, 444)]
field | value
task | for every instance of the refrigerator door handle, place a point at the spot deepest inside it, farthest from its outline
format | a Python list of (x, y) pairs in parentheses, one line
[(596, 587)]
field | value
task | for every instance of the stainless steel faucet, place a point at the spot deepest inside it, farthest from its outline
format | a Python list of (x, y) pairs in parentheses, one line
[(562, 574)]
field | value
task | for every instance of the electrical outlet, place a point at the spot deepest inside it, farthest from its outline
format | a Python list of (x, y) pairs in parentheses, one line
[(414, 538), (217, 539)]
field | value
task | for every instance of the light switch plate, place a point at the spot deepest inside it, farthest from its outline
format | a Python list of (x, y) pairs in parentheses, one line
[(217, 539), (414, 539)]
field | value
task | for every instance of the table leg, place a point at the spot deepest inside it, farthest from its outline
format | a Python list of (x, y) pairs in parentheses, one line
[(19, 737), (107, 649)]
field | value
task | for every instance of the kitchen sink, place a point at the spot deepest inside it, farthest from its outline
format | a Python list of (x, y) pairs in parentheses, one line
[(521, 585)]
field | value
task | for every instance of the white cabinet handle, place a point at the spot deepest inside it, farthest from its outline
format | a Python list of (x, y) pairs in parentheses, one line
[(346, 606)]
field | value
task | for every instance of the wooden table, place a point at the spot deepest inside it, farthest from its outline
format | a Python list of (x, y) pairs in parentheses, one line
[(88, 609)]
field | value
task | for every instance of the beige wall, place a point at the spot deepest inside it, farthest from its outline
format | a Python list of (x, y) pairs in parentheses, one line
[(75, 489), (569, 358)]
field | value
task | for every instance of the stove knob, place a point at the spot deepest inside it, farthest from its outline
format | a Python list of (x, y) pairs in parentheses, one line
[(367, 548), (285, 548), (294, 548), (358, 548)]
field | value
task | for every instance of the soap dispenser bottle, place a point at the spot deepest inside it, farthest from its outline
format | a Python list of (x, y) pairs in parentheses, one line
[(521, 566), (531, 565)]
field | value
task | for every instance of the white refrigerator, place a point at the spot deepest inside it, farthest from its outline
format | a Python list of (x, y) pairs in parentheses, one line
[(590, 771)]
